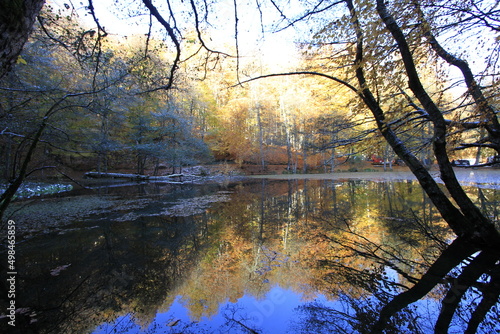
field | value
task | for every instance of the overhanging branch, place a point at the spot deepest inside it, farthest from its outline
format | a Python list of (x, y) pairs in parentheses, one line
[(170, 31), (343, 82)]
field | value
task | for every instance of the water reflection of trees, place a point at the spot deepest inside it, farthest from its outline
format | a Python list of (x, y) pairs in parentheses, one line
[(462, 276), (114, 270), (372, 247), (376, 247)]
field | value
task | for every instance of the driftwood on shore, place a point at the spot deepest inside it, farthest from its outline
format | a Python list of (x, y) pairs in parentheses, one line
[(97, 175), (182, 178)]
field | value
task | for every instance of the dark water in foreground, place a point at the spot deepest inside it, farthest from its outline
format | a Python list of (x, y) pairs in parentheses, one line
[(290, 256)]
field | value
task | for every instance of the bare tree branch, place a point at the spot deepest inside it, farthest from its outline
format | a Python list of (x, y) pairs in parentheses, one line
[(197, 26), (345, 83), (173, 38)]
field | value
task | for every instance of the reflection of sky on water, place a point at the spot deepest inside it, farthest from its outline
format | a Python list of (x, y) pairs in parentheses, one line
[(276, 313), (481, 179), (282, 310), (272, 314)]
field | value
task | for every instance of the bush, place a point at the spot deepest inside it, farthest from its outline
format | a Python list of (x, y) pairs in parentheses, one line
[(29, 190)]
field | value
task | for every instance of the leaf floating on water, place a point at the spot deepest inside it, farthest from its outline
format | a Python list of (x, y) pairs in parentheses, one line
[(173, 323), (57, 271), (127, 217), (20, 60)]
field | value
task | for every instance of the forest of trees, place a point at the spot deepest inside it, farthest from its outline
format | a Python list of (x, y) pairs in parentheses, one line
[(108, 102), (418, 78), (103, 104), (102, 107)]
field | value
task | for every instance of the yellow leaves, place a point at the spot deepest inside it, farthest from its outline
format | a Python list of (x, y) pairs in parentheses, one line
[(20, 60)]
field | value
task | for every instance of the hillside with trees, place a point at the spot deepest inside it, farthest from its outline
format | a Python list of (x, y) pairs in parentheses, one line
[(110, 102), (103, 105)]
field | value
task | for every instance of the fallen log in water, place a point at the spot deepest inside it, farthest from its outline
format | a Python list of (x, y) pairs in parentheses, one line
[(163, 177), (97, 175)]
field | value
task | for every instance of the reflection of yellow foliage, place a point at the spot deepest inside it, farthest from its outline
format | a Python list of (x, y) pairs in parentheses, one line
[(236, 265), (337, 247)]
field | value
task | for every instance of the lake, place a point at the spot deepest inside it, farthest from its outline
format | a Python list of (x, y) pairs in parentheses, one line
[(256, 256)]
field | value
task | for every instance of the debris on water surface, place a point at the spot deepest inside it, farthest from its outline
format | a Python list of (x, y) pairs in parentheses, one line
[(57, 271), (193, 206), (181, 208)]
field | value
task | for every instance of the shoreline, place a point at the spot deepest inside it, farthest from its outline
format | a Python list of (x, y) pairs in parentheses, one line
[(465, 176)]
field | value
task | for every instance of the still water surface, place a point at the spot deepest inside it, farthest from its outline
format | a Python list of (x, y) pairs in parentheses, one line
[(290, 256)]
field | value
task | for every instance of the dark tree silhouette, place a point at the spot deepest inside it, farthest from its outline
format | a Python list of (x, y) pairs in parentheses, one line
[(16, 22)]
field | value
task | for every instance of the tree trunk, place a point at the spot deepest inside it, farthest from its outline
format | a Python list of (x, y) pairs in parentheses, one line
[(478, 153), (288, 154), (16, 22), (466, 219), (304, 154), (261, 139), (8, 158), (11, 190)]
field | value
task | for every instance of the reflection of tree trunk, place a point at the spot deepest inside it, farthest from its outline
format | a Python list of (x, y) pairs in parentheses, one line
[(387, 190), (307, 201), (289, 212), (491, 293), (334, 198), (262, 210), (451, 257), (352, 192), (470, 274)]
